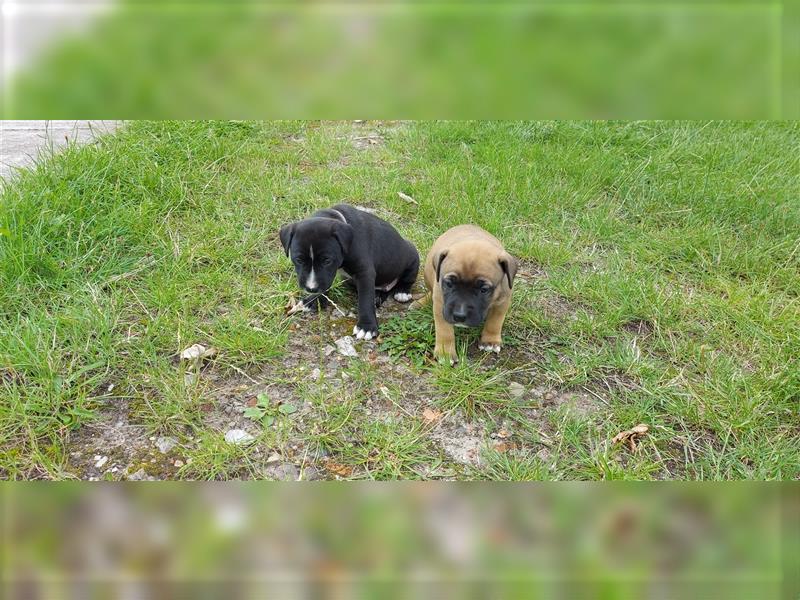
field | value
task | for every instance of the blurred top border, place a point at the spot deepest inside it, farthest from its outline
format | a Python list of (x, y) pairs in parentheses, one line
[(129, 59)]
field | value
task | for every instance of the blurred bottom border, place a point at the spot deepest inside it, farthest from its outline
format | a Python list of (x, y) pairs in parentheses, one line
[(420, 540)]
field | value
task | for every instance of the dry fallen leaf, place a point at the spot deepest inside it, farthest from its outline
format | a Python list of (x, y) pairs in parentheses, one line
[(629, 435), (294, 306), (339, 469), (406, 197), (197, 353), (503, 433), (430, 415)]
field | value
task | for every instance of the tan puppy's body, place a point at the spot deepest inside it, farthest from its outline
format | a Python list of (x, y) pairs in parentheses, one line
[(469, 274)]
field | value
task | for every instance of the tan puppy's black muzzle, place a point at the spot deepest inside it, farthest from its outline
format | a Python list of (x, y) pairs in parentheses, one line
[(470, 276)]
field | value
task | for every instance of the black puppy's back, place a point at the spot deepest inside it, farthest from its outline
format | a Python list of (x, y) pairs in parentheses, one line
[(388, 251)]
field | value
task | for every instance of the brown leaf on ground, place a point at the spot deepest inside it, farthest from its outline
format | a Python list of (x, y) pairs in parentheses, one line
[(503, 447), (431, 415), (293, 305), (252, 402), (503, 433), (630, 436), (338, 469)]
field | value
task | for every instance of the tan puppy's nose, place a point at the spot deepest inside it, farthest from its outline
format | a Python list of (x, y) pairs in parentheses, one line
[(460, 314)]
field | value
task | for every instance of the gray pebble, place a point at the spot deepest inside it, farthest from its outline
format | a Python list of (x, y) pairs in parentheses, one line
[(165, 444), (517, 390)]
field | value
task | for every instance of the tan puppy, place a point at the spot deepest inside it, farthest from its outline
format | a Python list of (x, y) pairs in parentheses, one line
[(469, 275)]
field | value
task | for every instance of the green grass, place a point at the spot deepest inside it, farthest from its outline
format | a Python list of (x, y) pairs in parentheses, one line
[(661, 272)]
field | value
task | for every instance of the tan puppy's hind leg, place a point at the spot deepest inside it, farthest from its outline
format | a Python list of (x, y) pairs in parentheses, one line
[(491, 336), (445, 335)]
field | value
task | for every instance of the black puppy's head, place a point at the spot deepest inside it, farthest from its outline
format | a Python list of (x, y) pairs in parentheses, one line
[(317, 248), (471, 277)]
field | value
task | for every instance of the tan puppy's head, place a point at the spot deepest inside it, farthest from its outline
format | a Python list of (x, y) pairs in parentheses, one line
[(473, 275)]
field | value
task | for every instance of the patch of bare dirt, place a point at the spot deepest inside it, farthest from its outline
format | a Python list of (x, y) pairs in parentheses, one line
[(558, 307), (639, 327), (313, 367), (461, 441), (107, 446)]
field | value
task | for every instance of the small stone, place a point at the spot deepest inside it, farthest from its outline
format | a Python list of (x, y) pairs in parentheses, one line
[(549, 395), (238, 436), (315, 374), (165, 444), (274, 458), (189, 378), (346, 347), (101, 462), (140, 475), (329, 350), (517, 390), (285, 472), (178, 463), (312, 473)]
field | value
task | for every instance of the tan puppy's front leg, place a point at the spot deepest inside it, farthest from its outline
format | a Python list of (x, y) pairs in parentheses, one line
[(445, 335), (491, 336)]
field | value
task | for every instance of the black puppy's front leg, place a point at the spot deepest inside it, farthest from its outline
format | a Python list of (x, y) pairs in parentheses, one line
[(367, 326)]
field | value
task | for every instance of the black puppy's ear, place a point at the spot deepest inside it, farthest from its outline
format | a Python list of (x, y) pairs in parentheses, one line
[(286, 234), (437, 263), (344, 235), (509, 265)]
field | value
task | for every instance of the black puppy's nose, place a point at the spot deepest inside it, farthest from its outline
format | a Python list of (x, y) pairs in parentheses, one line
[(311, 289), (459, 314)]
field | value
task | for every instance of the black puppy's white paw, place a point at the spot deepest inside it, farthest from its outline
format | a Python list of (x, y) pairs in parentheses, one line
[(402, 297), (365, 332)]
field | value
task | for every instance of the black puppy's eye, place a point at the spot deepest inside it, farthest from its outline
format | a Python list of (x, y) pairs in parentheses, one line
[(326, 261)]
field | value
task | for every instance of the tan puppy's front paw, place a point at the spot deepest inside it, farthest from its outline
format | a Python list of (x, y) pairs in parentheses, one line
[(445, 353), (490, 344)]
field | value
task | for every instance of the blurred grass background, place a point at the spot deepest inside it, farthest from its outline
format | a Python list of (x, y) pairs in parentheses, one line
[(597, 59), (425, 541)]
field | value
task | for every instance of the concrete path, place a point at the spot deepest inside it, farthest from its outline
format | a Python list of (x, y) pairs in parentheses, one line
[(22, 141)]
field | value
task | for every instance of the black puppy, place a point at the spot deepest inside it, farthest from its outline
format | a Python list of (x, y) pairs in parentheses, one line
[(365, 247)]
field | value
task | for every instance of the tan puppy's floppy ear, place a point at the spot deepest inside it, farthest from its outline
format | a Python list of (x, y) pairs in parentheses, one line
[(509, 265), (437, 263), (286, 234)]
